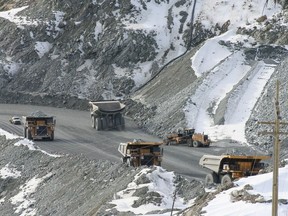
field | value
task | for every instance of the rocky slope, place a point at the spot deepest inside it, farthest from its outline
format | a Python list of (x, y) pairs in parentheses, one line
[(85, 48), (33, 182)]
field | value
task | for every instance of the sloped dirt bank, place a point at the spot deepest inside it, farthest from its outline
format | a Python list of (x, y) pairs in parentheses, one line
[(35, 183)]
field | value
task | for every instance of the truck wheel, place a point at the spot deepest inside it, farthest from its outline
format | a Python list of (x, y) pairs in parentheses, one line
[(196, 144), (122, 123), (211, 178), (24, 133), (128, 161), (189, 142), (104, 123), (29, 135), (226, 180), (93, 121), (52, 136), (98, 124), (117, 123), (124, 160)]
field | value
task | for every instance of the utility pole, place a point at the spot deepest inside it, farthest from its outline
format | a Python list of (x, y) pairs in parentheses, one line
[(276, 148)]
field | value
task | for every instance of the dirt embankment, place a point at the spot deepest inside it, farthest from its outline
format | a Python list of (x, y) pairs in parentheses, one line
[(69, 185), (35, 183)]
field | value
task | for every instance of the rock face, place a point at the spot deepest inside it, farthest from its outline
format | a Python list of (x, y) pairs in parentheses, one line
[(87, 49), (265, 110)]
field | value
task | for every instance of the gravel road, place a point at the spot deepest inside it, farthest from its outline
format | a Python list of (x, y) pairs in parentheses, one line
[(74, 135)]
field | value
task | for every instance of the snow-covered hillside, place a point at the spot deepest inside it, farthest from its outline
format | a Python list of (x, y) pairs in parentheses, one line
[(217, 90), (229, 78), (227, 74)]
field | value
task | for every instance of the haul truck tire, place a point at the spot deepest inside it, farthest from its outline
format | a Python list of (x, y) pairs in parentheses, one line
[(190, 143), (104, 123), (128, 162), (93, 121), (24, 133), (29, 135), (52, 136), (117, 122), (98, 124), (124, 160), (196, 144), (226, 179), (211, 178), (122, 123)]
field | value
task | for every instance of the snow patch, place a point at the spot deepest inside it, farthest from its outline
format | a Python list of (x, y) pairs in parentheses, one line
[(98, 30), (18, 20), (42, 47), (262, 184), (23, 200), (161, 182), (53, 28), (8, 171), (8, 135), (31, 145)]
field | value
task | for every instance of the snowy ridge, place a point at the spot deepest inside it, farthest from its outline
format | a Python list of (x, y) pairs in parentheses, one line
[(215, 86), (245, 95), (160, 181)]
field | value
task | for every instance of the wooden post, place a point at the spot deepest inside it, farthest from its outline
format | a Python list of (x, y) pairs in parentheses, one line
[(276, 149), (276, 155)]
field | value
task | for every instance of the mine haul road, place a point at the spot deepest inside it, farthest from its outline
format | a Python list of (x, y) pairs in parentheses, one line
[(74, 135)]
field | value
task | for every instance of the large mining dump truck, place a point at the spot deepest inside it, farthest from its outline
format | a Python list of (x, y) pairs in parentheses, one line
[(187, 136), (180, 137), (38, 126), (138, 153), (107, 115), (226, 168)]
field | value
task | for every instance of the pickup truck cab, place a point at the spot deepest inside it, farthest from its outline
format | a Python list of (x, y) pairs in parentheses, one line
[(15, 120)]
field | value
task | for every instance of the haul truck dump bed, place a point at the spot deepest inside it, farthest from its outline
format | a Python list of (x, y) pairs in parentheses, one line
[(139, 153), (107, 114), (226, 168), (39, 126)]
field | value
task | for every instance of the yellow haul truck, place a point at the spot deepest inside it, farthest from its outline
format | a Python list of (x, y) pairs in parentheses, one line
[(138, 153), (226, 168), (39, 126)]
